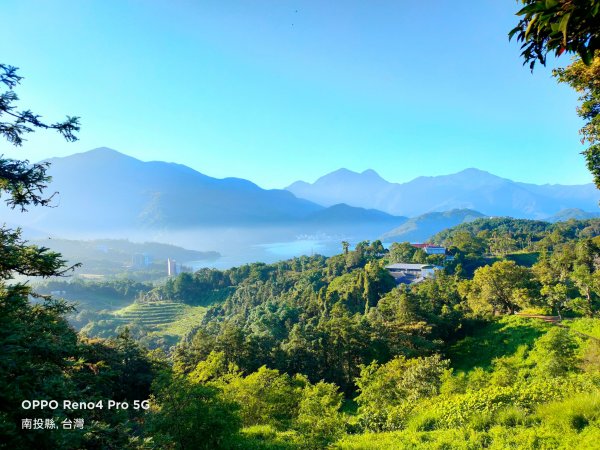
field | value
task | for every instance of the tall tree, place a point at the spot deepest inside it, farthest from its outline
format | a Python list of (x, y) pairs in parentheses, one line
[(559, 26), (585, 79), (36, 341)]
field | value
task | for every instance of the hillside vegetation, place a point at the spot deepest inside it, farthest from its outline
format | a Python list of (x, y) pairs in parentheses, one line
[(318, 352)]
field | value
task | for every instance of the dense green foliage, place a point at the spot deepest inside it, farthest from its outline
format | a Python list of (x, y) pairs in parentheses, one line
[(585, 79), (558, 26), (504, 235), (536, 395), (426, 362), (315, 352), (322, 318)]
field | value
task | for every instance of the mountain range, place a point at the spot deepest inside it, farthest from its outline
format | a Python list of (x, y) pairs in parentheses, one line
[(469, 189), (103, 192)]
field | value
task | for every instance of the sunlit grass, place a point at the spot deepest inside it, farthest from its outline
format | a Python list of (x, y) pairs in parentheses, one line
[(501, 337)]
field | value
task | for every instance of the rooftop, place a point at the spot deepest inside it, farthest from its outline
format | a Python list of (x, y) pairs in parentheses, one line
[(405, 266)]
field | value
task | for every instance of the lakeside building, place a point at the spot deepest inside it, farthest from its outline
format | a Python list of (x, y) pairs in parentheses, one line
[(405, 273), (174, 269)]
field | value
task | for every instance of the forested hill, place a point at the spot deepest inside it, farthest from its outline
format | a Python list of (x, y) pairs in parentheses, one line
[(315, 351), (517, 234)]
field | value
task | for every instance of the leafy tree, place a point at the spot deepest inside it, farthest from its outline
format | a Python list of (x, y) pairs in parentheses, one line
[(502, 287), (345, 247), (42, 356), (585, 79), (556, 296), (502, 244), (555, 353), (401, 252), (213, 368), (588, 282), (36, 340), (265, 397), (467, 242), (558, 26), (573, 26)]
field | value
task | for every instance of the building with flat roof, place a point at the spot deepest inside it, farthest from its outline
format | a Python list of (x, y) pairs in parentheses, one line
[(405, 273), (431, 249)]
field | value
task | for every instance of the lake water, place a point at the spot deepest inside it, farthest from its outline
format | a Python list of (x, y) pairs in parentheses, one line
[(272, 252)]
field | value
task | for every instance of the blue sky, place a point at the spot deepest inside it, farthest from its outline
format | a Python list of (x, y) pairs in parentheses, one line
[(284, 90)]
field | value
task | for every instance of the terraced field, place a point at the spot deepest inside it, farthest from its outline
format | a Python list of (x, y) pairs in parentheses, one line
[(152, 313), (162, 317)]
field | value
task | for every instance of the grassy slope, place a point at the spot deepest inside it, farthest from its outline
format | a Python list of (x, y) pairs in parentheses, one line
[(163, 318), (499, 338)]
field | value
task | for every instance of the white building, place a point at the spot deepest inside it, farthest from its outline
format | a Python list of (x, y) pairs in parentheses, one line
[(171, 267), (411, 273)]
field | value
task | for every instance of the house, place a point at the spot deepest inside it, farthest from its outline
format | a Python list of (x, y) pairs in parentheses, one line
[(405, 273)]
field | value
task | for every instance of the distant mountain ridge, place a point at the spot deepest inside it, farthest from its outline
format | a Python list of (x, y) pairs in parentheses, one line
[(104, 190), (469, 189), (572, 213)]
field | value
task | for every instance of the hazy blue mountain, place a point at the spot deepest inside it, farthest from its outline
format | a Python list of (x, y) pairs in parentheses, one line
[(356, 223), (349, 214), (472, 188), (572, 213), (421, 228), (103, 188), (342, 186)]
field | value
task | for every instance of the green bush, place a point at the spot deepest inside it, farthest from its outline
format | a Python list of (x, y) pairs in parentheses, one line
[(319, 421), (186, 415)]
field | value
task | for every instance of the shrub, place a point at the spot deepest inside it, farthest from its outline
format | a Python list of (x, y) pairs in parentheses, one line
[(319, 420)]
